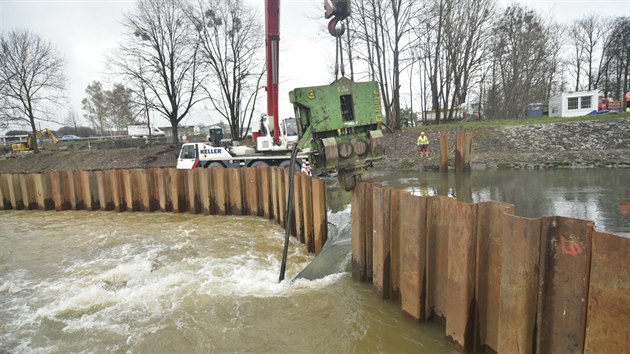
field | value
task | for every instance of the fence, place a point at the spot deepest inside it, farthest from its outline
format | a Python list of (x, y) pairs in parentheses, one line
[(246, 191), (497, 281)]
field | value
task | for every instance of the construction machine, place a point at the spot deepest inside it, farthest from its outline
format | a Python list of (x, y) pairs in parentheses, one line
[(28, 145), (218, 152), (338, 124)]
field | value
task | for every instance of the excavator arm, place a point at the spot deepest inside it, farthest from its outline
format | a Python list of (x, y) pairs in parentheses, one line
[(28, 145), (47, 132)]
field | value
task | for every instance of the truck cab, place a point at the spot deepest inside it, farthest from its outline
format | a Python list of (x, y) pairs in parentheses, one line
[(289, 132), (187, 157), (263, 135)]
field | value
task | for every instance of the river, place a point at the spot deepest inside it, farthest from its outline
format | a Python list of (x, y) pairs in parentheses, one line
[(158, 282), (161, 282), (601, 195)]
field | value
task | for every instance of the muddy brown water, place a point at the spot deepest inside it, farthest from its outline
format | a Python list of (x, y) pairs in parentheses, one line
[(161, 282), (147, 283)]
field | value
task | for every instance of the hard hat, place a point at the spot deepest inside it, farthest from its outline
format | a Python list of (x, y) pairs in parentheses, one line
[(421, 133)]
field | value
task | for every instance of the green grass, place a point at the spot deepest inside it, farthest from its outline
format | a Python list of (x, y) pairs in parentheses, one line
[(495, 123)]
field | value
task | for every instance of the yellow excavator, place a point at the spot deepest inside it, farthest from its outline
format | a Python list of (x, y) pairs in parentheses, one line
[(28, 145)]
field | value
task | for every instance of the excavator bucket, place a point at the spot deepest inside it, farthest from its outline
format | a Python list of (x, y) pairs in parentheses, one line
[(340, 125)]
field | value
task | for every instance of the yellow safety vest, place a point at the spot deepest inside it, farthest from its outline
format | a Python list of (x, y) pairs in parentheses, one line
[(423, 140)]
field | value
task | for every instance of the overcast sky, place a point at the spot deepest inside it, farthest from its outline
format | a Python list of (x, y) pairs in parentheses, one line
[(83, 30)]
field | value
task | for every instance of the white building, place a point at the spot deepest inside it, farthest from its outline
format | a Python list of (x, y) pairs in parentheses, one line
[(573, 104)]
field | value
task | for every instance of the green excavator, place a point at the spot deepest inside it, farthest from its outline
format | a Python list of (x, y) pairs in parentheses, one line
[(339, 125)]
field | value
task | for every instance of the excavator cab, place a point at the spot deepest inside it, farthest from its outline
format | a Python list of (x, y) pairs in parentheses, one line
[(340, 124)]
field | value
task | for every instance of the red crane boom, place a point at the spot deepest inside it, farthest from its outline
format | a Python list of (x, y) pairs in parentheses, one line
[(338, 10), (272, 43)]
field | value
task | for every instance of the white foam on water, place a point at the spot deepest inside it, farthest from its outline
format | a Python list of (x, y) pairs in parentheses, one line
[(118, 282), (301, 283)]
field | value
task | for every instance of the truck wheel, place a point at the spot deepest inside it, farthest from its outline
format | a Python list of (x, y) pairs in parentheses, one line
[(287, 164), (259, 164), (215, 165)]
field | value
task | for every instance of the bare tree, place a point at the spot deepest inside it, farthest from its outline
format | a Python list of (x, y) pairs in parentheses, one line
[(429, 32), (576, 62), (615, 75), (553, 81), (95, 107), (121, 109), (348, 41), (382, 29), (72, 120), (521, 52), (452, 44), (31, 77), (606, 26), (231, 48), (161, 38), (140, 98), (594, 29), (586, 36)]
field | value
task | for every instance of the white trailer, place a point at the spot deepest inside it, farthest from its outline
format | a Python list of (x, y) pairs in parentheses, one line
[(573, 104), (143, 130)]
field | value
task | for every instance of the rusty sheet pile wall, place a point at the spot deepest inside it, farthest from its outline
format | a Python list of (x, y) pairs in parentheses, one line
[(497, 281), (246, 191)]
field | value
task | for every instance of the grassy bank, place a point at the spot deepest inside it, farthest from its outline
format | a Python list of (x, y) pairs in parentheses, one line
[(498, 123)]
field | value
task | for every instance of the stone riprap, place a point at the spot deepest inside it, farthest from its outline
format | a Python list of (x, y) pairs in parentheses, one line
[(596, 143)]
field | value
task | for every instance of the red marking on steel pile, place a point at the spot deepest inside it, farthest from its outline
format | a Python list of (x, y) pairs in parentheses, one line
[(570, 247)]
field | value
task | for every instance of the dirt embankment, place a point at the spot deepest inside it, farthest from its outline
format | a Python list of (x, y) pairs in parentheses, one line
[(599, 143), (80, 156)]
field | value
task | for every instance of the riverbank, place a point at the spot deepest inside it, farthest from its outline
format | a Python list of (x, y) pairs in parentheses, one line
[(595, 143), (604, 142), (84, 156)]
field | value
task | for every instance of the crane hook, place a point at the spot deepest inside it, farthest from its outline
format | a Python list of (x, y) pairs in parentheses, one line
[(338, 10), (334, 30)]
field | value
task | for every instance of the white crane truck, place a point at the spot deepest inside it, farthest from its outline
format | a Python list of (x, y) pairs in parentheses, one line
[(222, 153)]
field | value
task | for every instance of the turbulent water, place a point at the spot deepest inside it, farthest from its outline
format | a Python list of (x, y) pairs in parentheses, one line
[(145, 283), (336, 256), (88, 282)]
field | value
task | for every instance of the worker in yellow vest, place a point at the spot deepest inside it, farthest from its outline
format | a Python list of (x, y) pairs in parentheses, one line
[(423, 143)]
